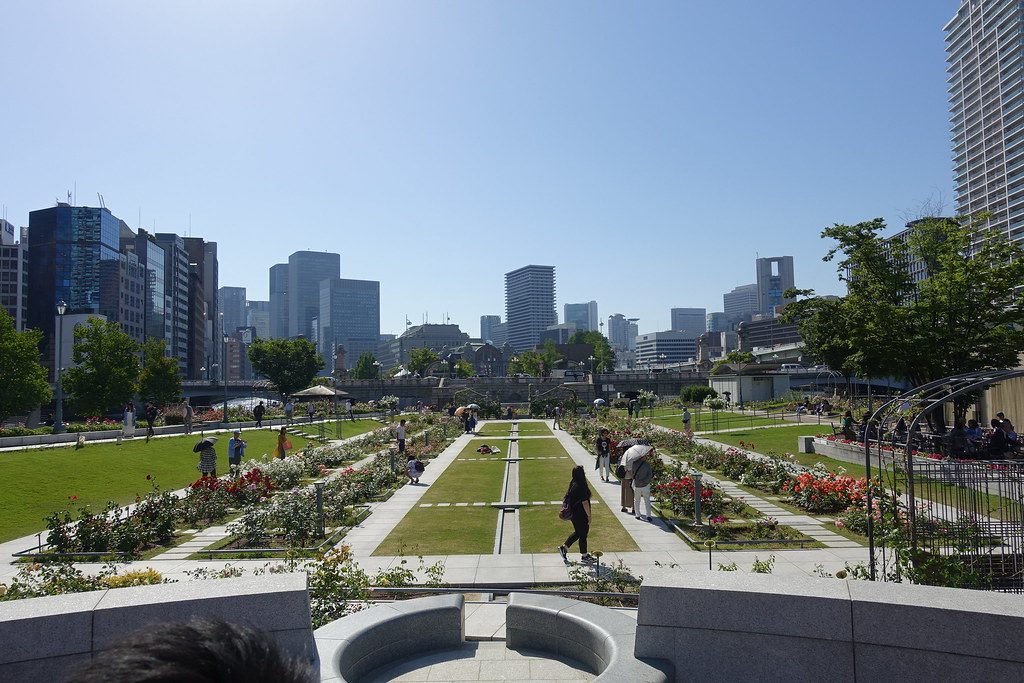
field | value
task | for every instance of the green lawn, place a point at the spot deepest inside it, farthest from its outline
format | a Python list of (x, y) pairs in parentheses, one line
[(503, 427), (350, 429), (495, 429), (724, 420), (37, 482), (541, 531), (544, 480), (534, 448), (468, 482), (534, 429), (469, 450), (428, 531), (775, 440)]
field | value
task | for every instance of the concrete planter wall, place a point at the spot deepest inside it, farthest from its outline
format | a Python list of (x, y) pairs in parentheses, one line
[(45, 638), (730, 627)]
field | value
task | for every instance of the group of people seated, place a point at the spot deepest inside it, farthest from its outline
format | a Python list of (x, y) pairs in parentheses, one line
[(970, 441), (819, 407)]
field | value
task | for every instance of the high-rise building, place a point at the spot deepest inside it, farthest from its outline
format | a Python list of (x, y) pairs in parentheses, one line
[(279, 301), (13, 274), (257, 316), (583, 316), (306, 270), (231, 301), (664, 348), (741, 302), (123, 292), (349, 318), (206, 318), (529, 304), (153, 261), (71, 250), (692, 321), (487, 323), (499, 335), (986, 103), (176, 297), (439, 338), (721, 322), (622, 332), (560, 334), (774, 277)]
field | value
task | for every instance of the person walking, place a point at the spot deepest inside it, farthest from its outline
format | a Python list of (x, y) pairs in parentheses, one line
[(578, 498), (603, 446), (282, 443), (632, 407), (151, 413), (236, 451), (289, 411), (400, 437), (128, 422), (643, 473), (558, 417), (686, 420), (258, 412), (187, 414), (310, 410), (348, 409), (207, 457)]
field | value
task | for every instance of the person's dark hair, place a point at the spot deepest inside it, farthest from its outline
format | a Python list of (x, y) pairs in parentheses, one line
[(199, 651), (972, 423), (605, 431), (579, 480), (996, 423)]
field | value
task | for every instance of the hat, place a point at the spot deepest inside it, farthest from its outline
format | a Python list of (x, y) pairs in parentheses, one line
[(238, 431)]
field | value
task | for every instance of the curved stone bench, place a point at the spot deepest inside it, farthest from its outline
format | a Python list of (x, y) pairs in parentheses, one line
[(351, 647), (599, 637)]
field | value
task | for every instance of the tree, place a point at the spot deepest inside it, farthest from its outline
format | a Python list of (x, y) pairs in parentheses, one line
[(604, 356), (823, 327), (24, 380), (463, 368), (291, 364), (526, 363), (160, 379), (106, 372), (963, 316), (365, 368), (549, 358), (420, 360)]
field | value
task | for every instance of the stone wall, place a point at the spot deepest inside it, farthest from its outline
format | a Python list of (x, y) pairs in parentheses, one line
[(45, 638), (729, 627)]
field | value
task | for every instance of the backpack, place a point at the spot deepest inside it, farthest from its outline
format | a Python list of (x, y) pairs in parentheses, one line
[(566, 511)]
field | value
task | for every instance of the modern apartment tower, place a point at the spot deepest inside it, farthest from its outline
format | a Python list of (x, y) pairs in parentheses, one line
[(176, 297), (349, 318), (204, 316), (279, 301), (774, 277), (13, 274), (306, 270), (622, 332), (692, 321), (984, 57), (583, 316), (529, 304), (152, 259)]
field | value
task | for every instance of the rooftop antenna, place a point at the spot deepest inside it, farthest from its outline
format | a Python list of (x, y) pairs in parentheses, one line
[(75, 186), (189, 223), (103, 204)]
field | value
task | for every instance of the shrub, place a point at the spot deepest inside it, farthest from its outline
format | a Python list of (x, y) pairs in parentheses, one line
[(206, 502), (696, 393), (136, 577), (822, 491)]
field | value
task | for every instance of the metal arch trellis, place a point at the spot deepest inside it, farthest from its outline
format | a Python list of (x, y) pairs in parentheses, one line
[(971, 482)]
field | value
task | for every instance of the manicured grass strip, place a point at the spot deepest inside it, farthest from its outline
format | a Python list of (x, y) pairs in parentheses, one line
[(776, 440), (725, 421), (350, 428), (544, 479), (36, 482), (468, 482), (469, 450), (495, 429), (503, 427), (443, 531), (535, 448), (534, 429), (541, 531)]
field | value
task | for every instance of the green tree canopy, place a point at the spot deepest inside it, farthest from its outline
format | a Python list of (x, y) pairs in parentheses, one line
[(24, 380), (106, 372), (526, 363), (604, 356), (420, 360), (463, 368), (549, 358), (160, 379), (291, 364), (365, 368)]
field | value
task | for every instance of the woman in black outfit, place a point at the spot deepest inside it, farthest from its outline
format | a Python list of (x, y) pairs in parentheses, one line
[(579, 503)]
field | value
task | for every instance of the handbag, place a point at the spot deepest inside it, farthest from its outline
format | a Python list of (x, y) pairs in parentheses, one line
[(620, 471), (566, 511)]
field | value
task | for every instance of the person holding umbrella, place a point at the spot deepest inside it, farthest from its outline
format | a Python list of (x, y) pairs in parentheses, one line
[(625, 470), (207, 457)]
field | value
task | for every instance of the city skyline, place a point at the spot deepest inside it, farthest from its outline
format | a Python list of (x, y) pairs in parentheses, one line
[(535, 140)]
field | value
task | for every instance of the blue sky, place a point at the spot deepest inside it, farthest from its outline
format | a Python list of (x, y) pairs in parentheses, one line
[(647, 150)]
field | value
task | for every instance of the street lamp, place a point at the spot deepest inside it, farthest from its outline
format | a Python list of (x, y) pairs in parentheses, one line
[(591, 359), (224, 374), (58, 418)]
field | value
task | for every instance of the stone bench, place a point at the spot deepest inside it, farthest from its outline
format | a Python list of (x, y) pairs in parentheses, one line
[(596, 636), (351, 647)]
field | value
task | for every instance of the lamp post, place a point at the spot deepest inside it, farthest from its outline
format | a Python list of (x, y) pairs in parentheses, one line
[(224, 374), (58, 417), (591, 359)]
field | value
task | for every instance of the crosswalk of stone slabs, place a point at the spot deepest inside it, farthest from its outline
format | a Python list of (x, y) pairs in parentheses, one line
[(503, 502)]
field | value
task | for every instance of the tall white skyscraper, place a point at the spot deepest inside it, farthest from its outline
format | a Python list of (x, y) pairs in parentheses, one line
[(583, 316), (529, 304), (741, 301), (984, 57), (774, 277)]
